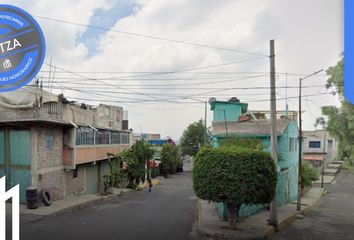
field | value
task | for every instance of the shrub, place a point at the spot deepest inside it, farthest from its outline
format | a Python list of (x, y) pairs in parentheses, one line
[(308, 175), (234, 176), (115, 176)]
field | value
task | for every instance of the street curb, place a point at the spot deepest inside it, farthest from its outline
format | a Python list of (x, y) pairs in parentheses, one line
[(80, 205), (94, 201), (268, 232)]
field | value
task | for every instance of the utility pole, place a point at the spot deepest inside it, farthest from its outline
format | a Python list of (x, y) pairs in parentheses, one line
[(205, 124), (273, 218), (324, 155), (227, 133), (298, 205)]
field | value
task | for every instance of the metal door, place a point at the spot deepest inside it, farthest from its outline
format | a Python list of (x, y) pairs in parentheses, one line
[(15, 159), (91, 179)]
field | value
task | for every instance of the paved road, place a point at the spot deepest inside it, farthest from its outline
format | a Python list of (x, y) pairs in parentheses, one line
[(165, 213), (332, 218)]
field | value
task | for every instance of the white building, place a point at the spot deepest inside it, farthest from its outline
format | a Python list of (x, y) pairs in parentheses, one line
[(319, 146)]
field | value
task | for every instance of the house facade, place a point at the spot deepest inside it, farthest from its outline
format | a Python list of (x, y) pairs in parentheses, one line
[(236, 121), (319, 147), (53, 144)]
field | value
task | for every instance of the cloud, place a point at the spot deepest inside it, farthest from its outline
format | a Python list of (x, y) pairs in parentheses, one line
[(308, 34)]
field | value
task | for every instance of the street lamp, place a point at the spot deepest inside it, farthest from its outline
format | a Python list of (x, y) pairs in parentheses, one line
[(298, 208), (205, 118)]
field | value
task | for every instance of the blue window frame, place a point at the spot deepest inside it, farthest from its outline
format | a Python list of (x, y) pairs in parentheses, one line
[(314, 144)]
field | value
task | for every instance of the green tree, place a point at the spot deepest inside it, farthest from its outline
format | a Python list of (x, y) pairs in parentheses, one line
[(135, 168), (170, 158), (340, 119), (192, 138), (234, 176), (143, 152)]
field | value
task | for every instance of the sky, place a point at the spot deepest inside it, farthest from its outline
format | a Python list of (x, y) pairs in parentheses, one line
[(161, 60)]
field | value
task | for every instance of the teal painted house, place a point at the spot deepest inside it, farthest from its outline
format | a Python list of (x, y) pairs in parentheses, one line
[(231, 118)]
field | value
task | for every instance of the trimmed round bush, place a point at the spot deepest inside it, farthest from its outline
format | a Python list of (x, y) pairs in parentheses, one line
[(234, 176)]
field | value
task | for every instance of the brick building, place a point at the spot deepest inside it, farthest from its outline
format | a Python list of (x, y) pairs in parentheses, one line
[(49, 142)]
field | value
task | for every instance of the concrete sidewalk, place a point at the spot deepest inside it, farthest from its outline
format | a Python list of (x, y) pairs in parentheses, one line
[(68, 204), (71, 203), (209, 225)]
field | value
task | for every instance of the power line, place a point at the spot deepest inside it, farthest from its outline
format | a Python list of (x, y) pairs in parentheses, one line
[(169, 101), (150, 36), (172, 84)]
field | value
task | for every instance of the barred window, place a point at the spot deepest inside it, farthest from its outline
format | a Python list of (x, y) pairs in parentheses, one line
[(102, 137), (115, 137), (84, 136), (125, 138)]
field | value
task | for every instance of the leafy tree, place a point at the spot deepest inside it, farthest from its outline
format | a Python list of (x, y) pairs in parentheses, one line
[(192, 138), (170, 158), (234, 176), (143, 152), (135, 168), (340, 119)]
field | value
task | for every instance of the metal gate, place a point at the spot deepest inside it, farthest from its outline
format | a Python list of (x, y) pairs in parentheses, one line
[(15, 159), (91, 179)]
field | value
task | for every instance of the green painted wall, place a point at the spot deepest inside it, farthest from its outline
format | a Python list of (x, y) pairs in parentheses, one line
[(232, 111), (287, 177), (15, 159), (2, 154)]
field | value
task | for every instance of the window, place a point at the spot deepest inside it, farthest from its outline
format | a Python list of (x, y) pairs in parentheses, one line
[(125, 138), (84, 136), (314, 144), (115, 137), (292, 145), (50, 142), (102, 137), (87, 136)]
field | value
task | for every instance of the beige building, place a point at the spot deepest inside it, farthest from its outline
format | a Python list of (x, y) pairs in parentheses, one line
[(318, 147), (51, 143)]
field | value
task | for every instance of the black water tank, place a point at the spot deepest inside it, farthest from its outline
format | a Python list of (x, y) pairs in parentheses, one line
[(32, 198), (234, 99)]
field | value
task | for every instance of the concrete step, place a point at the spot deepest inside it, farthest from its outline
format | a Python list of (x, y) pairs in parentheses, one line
[(326, 179), (330, 171), (333, 165), (338, 162)]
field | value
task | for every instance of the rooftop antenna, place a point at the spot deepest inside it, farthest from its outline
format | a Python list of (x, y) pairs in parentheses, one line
[(51, 87), (50, 72)]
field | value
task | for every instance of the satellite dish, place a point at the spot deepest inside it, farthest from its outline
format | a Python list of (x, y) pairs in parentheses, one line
[(211, 100)]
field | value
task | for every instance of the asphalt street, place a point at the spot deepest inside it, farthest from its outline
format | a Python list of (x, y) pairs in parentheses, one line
[(166, 213), (332, 218)]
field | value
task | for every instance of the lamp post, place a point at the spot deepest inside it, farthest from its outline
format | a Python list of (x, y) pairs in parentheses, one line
[(298, 206), (322, 121)]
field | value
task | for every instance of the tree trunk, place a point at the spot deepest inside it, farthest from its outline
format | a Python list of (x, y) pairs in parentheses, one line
[(233, 214)]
